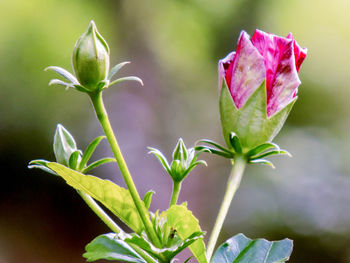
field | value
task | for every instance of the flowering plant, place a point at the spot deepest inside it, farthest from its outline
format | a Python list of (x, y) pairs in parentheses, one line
[(258, 88)]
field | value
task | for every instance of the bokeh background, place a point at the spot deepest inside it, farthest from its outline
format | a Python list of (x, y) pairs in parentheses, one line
[(174, 46)]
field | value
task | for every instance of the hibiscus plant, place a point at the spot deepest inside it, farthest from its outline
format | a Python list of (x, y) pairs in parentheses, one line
[(258, 86)]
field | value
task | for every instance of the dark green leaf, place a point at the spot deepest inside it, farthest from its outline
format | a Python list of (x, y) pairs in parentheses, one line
[(240, 249), (98, 163), (108, 247), (117, 199), (116, 68), (89, 151), (147, 199)]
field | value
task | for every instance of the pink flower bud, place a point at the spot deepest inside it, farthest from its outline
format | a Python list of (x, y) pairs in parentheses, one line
[(266, 56), (261, 79)]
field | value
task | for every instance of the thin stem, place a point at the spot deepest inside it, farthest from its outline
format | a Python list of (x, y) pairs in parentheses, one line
[(102, 116), (100, 213), (232, 186), (143, 254), (175, 194)]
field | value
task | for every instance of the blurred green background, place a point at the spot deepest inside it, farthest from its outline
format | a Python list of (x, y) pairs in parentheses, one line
[(174, 46)]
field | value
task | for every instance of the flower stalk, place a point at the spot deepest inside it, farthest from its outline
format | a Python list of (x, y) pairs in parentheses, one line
[(232, 186), (102, 116), (100, 213), (175, 193)]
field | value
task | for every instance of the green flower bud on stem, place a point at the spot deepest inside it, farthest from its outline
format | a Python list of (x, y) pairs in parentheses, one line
[(91, 58)]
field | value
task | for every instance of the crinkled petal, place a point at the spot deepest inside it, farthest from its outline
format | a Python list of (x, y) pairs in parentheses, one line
[(299, 52), (246, 71), (282, 79)]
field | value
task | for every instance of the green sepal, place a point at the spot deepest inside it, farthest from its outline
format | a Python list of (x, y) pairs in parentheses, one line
[(64, 145), (235, 143), (240, 249), (109, 247), (41, 164), (116, 68), (74, 159), (147, 199), (64, 73), (162, 159), (250, 123), (89, 151), (262, 148), (98, 163), (262, 161)]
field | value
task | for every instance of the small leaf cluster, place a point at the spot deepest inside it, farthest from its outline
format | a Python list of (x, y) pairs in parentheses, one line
[(113, 246), (67, 153), (255, 155), (176, 227), (184, 160)]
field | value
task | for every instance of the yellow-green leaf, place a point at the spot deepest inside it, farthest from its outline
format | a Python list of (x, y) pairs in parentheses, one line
[(117, 199), (185, 223)]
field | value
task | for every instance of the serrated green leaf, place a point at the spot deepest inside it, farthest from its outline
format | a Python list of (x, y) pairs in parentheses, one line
[(108, 247), (117, 199), (98, 163), (185, 223), (89, 151), (116, 68), (240, 249)]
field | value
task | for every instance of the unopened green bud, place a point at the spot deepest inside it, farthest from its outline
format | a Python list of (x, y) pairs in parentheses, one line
[(91, 58)]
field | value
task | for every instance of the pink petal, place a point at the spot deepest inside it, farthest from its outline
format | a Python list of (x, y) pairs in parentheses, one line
[(223, 66), (282, 79), (299, 53), (245, 71)]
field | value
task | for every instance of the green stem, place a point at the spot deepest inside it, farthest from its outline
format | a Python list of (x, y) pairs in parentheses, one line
[(102, 116), (100, 213), (143, 254), (232, 186), (175, 194)]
